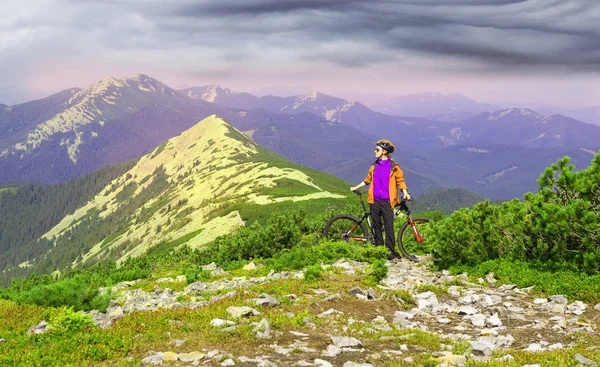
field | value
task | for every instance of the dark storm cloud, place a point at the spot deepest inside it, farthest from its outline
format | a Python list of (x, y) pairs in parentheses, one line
[(556, 33)]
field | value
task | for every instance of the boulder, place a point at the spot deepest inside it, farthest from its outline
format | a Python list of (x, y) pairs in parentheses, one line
[(237, 312)]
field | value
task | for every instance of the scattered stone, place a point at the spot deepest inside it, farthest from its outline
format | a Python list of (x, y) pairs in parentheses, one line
[(332, 351), (493, 321), (169, 356), (177, 342), (560, 299), (540, 301), (220, 322), (507, 357), (555, 346), (467, 310), (154, 359), (332, 297), (478, 320), (297, 333), (483, 347), (228, 362), (331, 311), (345, 342), (577, 308), (597, 307), (584, 361), (192, 356), (2, 340), (490, 278), (266, 300), (409, 359), (250, 266), (322, 363), (535, 347), (165, 280), (532, 365), (237, 312), (363, 294), (262, 329), (453, 360), (426, 300), (354, 364), (40, 328), (444, 320)]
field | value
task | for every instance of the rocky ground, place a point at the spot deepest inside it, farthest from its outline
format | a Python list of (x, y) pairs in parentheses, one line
[(414, 317)]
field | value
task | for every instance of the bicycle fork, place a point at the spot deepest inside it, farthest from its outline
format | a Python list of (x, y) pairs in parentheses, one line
[(418, 237)]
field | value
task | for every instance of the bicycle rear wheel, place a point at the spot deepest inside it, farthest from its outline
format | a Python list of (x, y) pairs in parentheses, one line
[(345, 227), (412, 239)]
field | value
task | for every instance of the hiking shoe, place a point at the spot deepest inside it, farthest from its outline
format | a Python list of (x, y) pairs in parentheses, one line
[(393, 256)]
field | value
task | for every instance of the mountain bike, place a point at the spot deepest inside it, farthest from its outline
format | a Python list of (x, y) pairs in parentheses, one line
[(411, 236)]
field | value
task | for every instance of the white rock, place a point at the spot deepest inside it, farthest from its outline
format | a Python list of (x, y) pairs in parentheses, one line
[(478, 320), (220, 322), (354, 364), (444, 320), (228, 362), (332, 351), (241, 311), (539, 301), (467, 310), (426, 300), (493, 321), (535, 347), (555, 346), (331, 311), (584, 361), (560, 299), (322, 363), (345, 342)]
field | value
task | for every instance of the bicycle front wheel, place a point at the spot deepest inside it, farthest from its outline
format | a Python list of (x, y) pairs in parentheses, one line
[(345, 228), (412, 238)]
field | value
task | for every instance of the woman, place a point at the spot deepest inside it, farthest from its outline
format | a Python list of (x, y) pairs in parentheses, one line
[(385, 178)]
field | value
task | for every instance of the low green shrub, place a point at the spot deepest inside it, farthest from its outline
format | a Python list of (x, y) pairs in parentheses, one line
[(67, 321), (313, 273), (558, 226), (378, 272)]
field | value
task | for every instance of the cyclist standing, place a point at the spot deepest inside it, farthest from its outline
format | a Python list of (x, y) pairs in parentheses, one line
[(385, 178)]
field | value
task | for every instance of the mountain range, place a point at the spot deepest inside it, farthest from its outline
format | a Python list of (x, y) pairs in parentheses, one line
[(80, 130)]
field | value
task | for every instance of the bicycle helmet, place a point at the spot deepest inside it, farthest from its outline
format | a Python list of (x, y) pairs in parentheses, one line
[(387, 145)]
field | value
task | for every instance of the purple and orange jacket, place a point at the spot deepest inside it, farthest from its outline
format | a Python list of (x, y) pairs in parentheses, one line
[(395, 182)]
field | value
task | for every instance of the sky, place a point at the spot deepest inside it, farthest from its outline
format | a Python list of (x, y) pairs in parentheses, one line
[(542, 51)]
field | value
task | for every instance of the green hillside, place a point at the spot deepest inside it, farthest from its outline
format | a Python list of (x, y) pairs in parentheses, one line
[(197, 186), (446, 200), (29, 211)]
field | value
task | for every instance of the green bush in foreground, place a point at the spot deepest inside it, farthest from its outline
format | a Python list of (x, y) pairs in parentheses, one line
[(313, 273), (558, 226), (378, 271), (68, 321)]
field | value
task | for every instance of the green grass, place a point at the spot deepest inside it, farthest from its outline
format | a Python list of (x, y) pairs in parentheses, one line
[(574, 285)]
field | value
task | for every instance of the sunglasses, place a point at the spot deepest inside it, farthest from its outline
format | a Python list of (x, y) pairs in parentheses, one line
[(378, 149)]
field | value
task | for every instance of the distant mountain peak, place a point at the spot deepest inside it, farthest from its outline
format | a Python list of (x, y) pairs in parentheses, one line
[(515, 112), (212, 92), (312, 95)]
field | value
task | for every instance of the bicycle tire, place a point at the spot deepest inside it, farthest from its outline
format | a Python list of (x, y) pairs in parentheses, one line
[(403, 238), (346, 227)]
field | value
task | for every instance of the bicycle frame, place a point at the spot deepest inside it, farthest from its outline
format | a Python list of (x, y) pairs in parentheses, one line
[(367, 215)]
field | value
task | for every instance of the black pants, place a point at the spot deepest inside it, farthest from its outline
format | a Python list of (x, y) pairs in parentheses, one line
[(382, 208)]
